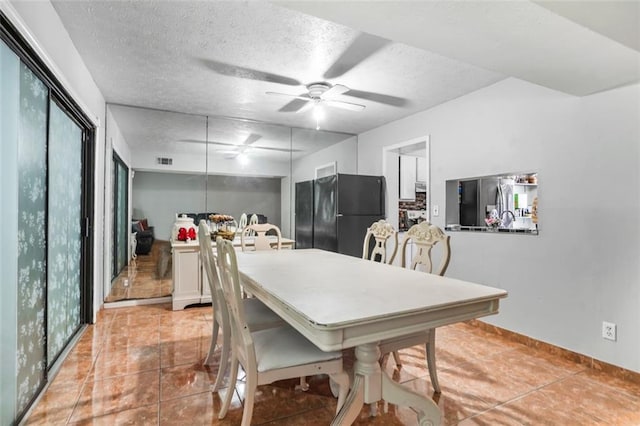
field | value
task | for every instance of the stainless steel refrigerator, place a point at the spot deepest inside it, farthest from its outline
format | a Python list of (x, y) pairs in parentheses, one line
[(344, 206)]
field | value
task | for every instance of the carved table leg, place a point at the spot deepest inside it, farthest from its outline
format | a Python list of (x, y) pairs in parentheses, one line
[(371, 384), (367, 385), (395, 393)]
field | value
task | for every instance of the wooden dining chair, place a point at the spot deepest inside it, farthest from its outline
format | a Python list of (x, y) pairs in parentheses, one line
[(258, 316), (381, 231), (268, 355), (261, 240), (243, 222), (424, 236)]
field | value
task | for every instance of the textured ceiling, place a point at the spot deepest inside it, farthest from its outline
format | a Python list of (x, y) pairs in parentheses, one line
[(577, 47), (219, 58)]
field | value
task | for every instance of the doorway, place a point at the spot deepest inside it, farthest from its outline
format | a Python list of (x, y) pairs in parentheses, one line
[(394, 157)]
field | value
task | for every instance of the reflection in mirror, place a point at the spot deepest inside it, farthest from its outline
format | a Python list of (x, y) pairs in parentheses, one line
[(501, 203), (198, 165), (247, 163), (167, 170)]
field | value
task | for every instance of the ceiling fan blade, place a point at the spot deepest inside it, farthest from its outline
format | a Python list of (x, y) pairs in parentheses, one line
[(360, 49), (378, 97), (252, 138), (344, 105), (204, 142), (336, 90), (302, 97), (266, 148), (293, 106), (248, 73), (306, 107)]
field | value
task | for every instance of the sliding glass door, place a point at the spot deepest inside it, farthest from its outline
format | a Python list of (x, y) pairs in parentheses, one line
[(45, 257), (120, 241), (65, 230), (32, 241)]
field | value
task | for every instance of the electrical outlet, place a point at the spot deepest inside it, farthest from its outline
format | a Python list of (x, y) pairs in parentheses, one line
[(436, 211), (126, 282), (609, 330)]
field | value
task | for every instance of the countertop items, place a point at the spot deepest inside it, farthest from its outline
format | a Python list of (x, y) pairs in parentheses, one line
[(457, 227)]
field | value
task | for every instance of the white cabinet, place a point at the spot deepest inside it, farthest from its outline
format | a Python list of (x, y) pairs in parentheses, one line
[(190, 282), (408, 177), (190, 285), (421, 172)]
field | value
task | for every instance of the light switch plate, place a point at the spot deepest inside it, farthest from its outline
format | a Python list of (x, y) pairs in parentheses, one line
[(436, 210)]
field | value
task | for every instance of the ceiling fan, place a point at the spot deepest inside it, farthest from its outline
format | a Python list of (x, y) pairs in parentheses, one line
[(233, 150), (322, 93)]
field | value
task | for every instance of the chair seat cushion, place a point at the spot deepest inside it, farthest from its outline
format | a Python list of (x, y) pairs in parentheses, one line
[(259, 316), (283, 347)]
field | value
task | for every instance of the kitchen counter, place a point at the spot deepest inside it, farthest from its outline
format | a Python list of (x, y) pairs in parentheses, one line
[(487, 229)]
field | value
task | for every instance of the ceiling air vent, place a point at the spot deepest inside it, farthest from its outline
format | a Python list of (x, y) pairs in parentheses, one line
[(165, 161)]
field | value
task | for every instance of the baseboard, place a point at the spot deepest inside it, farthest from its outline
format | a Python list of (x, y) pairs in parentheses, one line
[(137, 302), (587, 361)]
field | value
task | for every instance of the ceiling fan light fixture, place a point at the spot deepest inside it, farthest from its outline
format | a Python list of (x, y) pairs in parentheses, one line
[(243, 158), (318, 111)]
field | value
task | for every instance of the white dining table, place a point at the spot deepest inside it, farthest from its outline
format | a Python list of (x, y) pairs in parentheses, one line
[(339, 302)]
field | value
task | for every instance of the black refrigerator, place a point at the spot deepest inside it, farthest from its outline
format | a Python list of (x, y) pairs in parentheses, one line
[(468, 197), (344, 206), (304, 214)]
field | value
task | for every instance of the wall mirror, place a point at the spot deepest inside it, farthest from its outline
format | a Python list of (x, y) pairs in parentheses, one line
[(196, 164), (505, 202)]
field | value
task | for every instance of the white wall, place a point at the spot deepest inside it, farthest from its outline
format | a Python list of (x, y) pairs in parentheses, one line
[(344, 153), (583, 267), (41, 26)]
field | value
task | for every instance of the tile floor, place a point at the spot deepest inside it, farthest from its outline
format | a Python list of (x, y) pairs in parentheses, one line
[(143, 365), (144, 277)]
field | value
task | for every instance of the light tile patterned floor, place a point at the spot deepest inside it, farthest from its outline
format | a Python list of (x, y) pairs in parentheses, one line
[(147, 276), (143, 366)]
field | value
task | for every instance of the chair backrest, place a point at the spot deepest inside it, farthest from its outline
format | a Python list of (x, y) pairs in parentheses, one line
[(425, 235), (381, 231), (211, 270), (243, 222), (253, 220), (233, 294), (261, 241)]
